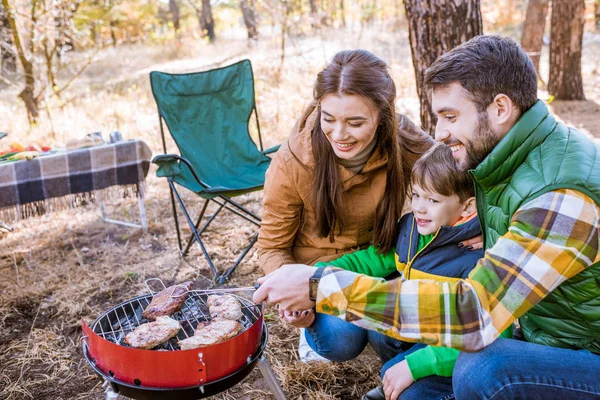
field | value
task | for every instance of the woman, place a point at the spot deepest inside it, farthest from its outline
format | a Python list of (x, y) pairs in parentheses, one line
[(344, 169), (340, 180)]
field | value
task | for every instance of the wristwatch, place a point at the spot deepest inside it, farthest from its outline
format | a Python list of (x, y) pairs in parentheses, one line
[(313, 284)]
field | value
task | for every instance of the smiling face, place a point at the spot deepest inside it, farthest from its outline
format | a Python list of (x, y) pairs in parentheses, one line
[(349, 123), (460, 126), (433, 210)]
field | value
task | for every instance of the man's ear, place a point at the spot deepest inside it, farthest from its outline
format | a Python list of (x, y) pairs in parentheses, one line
[(503, 113), (469, 207)]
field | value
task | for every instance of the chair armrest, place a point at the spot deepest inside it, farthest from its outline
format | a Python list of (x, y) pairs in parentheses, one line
[(169, 167), (271, 149)]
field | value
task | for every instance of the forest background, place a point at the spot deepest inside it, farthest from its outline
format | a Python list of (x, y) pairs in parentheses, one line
[(72, 67)]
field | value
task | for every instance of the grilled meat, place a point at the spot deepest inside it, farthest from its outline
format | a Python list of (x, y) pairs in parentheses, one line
[(167, 301), (224, 306), (151, 334), (208, 333)]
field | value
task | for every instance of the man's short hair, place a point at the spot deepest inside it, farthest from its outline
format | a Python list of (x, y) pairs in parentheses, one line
[(436, 171), (486, 66)]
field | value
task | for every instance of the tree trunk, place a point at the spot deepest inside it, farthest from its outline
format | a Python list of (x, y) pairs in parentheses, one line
[(533, 30), (597, 14), (249, 19), (342, 13), (313, 6), (175, 14), (8, 59), (28, 93), (435, 27), (207, 23), (566, 36)]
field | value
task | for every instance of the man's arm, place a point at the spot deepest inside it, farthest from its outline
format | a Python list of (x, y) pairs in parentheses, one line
[(550, 239), (367, 261)]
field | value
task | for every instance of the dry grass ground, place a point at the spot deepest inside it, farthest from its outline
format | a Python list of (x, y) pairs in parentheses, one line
[(60, 268)]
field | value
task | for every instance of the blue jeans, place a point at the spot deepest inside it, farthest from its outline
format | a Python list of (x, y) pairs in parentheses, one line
[(513, 369), (429, 388), (338, 340)]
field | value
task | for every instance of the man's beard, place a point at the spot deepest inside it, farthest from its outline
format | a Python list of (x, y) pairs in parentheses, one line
[(484, 141)]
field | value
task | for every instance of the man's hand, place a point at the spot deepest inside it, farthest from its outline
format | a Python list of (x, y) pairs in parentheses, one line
[(396, 380), (286, 286), (475, 243)]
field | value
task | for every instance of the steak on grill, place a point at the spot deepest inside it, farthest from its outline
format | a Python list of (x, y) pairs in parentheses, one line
[(224, 306), (151, 334), (207, 333), (167, 301)]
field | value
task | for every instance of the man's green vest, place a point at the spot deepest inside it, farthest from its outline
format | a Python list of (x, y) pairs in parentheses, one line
[(538, 155)]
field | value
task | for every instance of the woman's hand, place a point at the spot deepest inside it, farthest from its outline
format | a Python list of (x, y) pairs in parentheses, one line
[(396, 380), (474, 243), (299, 319)]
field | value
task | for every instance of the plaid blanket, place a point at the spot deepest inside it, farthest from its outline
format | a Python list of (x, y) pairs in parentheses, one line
[(82, 171)]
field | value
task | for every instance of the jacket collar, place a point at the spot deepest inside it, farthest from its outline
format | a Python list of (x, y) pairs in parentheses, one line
[(530, 130), (445, 235)]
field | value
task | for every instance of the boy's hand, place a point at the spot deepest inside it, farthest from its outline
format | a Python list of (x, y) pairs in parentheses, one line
[(299, 319), (396, 380)]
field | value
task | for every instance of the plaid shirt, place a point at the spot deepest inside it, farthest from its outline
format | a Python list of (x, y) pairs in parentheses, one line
[(550, 239)]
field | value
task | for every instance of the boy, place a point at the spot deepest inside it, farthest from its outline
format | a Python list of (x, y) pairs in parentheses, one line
[(428, 247)]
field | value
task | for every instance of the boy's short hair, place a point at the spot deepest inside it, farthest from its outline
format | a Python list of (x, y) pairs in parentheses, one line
[(436, 171)]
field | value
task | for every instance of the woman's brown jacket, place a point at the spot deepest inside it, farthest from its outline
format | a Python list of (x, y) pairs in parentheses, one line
[(288, 233)]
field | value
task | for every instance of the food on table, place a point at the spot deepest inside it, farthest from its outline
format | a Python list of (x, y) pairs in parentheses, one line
[(151, 334), (24, 155), (224, 306), (167, 301), (208, 333)]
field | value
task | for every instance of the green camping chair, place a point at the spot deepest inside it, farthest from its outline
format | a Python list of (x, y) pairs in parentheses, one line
[(207, 114)]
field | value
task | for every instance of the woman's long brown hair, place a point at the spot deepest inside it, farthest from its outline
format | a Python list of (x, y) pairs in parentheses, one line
[(361, 73)]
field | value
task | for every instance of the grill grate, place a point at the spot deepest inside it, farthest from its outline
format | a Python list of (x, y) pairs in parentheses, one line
[(123, 318)]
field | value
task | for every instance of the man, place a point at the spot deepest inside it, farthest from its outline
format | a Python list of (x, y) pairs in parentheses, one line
[(538, 197)]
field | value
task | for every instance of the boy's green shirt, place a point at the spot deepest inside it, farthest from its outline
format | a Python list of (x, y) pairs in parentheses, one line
[(430, 360)]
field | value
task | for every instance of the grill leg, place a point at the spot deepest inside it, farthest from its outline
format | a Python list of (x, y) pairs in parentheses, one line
[(110, 395), (269, 375)]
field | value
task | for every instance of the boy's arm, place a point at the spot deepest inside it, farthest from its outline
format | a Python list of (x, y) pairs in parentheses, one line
[(439, 361), (367, 262)]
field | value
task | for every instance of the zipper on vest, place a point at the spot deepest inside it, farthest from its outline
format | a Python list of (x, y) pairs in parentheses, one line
[(410, 260), (480, 204)]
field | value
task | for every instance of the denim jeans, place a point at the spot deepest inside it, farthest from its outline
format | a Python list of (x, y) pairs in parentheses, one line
[(513, 369), (338, 340)]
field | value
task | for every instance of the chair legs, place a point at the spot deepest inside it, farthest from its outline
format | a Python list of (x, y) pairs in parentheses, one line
[(223, 202)]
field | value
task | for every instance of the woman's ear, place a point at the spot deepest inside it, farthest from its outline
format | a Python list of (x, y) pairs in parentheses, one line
[(469, 207)]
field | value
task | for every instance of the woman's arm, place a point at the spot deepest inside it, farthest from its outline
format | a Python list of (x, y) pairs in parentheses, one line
[(282, 212)]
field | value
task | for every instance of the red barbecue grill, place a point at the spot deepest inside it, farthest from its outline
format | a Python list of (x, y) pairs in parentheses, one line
[(167, 372)]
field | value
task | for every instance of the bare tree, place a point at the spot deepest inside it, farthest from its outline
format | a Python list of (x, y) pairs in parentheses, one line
[(566, 37), (205, 18), (25, 54), (597, 14), (175, 15), (533, 30), (207, 23), (435, 27), (8, 59), (249, 15)]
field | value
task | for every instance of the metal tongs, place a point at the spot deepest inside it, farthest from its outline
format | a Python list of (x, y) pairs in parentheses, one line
[(219, 290)]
